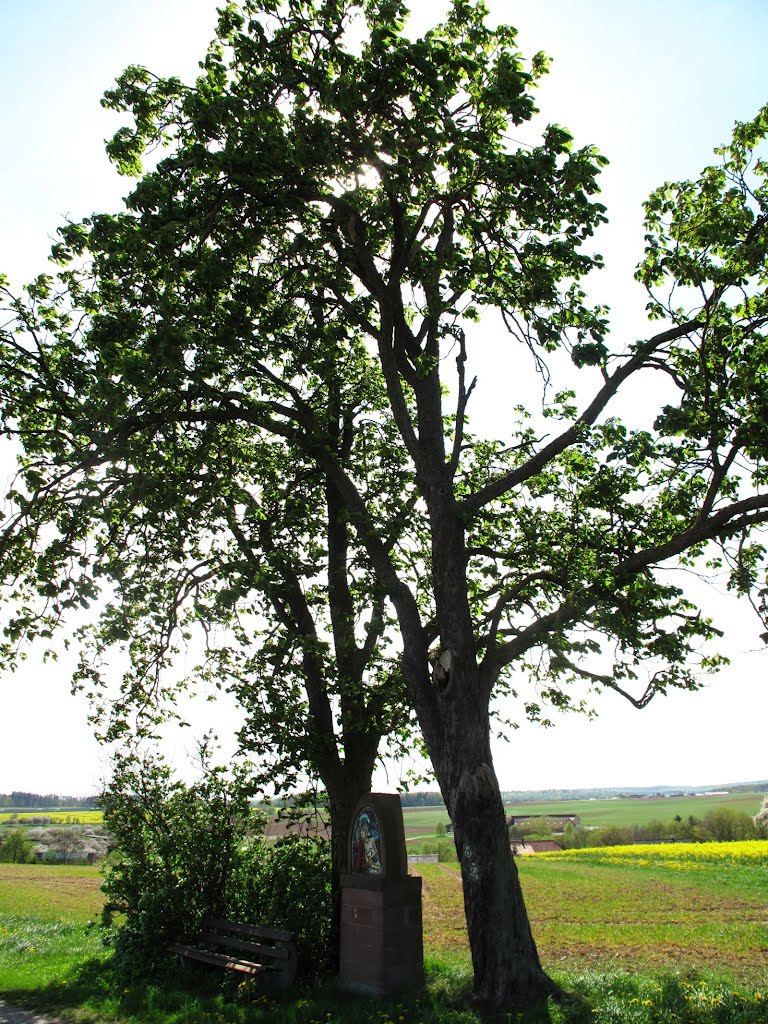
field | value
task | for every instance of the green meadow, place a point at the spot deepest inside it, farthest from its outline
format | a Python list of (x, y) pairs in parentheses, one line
[(651, 934), (421, 821)]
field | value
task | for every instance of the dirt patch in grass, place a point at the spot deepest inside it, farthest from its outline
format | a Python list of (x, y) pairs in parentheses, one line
[(689, 961)]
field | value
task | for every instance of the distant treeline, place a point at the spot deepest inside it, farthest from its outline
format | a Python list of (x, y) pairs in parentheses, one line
[(545, 796), (38, 801), (511, 796), (528, 796), (430, 799)]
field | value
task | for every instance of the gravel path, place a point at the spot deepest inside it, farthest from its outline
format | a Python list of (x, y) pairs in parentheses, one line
[(13, 1015)]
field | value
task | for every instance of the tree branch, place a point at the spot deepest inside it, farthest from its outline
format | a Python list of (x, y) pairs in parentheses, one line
[(473, 502)]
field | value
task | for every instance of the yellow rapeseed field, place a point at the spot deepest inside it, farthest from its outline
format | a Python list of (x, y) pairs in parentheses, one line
[(66, 816), (674, 855)]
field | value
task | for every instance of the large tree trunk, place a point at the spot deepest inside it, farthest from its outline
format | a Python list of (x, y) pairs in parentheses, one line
[(343, 795), (507, 970), (456, 727), (452, 698)]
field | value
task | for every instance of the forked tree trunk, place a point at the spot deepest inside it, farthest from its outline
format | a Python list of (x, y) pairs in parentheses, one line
[(455, 722)]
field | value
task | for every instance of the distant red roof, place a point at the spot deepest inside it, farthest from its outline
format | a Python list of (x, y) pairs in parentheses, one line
[(535, 846)]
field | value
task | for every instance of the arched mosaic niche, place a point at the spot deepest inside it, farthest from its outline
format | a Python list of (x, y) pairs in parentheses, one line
[(366, 844), (377, 838), (381, 945)]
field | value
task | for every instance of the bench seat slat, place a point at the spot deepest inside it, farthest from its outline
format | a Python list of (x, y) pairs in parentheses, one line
[(220, 959)]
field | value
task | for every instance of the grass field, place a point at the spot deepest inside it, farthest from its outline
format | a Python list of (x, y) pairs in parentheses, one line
[(47, 924), (420, 821), (51, 892), (629, 930)]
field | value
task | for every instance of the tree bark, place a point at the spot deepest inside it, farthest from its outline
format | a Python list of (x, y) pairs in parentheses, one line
[(507, 971), (505, 961), (345, 787)]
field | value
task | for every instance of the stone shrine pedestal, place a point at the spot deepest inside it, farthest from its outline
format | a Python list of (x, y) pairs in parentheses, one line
[(381, 931), (381, 936)]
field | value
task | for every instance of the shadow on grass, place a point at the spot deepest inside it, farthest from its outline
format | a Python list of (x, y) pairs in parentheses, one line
[(94, 992)]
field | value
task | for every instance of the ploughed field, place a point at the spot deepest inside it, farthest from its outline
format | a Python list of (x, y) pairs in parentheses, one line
[(686, 908), (681, 907), (49, 891)]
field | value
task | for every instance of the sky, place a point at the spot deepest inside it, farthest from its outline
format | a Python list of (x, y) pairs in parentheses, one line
[(656, 86)]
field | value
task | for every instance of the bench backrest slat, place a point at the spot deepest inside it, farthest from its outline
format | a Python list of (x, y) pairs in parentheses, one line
[(271, 934), (258, 949)]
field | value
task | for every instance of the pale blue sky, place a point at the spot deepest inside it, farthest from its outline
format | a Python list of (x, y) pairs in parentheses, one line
[(654, 85)]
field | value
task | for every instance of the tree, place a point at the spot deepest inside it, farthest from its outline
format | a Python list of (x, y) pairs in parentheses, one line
[(343, 203), (239, 534), (726, 825), (15, 847), (67, 844), (761, 820), (243, 554), (576, 836)]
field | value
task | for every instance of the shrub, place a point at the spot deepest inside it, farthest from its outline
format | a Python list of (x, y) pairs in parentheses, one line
[(287, 884), (176, 849), (446, 853), (445, 849), (187, 852), (576, 836), (612, 835), (727, 826)]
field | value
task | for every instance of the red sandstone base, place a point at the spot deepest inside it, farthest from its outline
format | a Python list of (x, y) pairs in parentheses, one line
[(382, 949)]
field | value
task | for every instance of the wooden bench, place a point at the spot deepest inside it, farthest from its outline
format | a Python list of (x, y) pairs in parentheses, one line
[(247, 948)]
